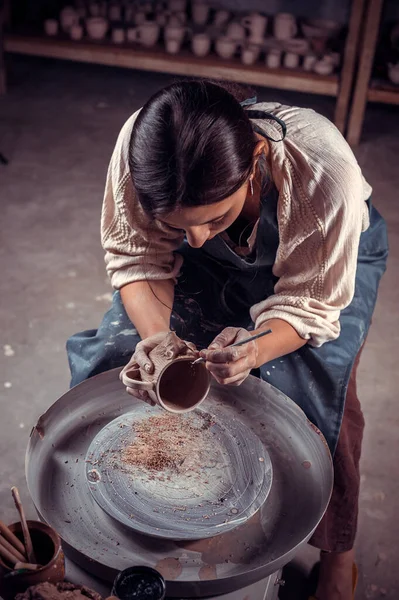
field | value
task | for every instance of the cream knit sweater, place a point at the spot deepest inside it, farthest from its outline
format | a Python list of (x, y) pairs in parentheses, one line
[(321, 213)]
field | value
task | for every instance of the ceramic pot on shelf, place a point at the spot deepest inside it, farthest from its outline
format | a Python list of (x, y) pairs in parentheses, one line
[(200, 12), (393, 73), (273, 59), (51, 27), (146, 34), (291, 60), (96, 27), (175, 33), (176, 6), (68, 17), (221, 18), (284, 26), (236, 32), (115, 12), (201, 44), (94, 9), (76, 32), (172, 46), (226, 47), (140, 17), (309, 62), (250, 54), (324, 66), (118, 35), (255, 24), (176, 20)]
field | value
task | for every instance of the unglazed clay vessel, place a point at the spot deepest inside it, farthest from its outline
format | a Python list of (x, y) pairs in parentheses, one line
[(176, 384), (47, 546)]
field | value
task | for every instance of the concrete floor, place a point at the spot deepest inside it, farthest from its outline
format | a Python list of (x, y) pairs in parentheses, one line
[(58, 125)]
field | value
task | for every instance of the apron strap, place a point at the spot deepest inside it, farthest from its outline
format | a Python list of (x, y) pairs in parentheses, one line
[(261, 114)]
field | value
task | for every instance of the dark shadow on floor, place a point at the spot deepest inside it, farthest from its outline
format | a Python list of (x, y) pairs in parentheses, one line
[(298, 585)]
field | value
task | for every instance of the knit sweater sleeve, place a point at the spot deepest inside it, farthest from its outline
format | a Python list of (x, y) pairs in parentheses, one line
[(136, 247), (321, 214)]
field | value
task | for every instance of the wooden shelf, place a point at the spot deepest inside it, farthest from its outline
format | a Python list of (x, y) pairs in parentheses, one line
[(367, 89), (384, 92), (184, 63)]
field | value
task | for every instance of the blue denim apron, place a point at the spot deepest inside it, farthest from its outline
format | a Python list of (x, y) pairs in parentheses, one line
[(215, 290)]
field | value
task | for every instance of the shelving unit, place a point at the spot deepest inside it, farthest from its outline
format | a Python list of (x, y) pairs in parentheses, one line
[(2, 62), (367, 89), (184, 63), (187, 64)]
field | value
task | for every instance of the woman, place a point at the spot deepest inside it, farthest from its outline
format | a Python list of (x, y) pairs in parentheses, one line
[(240, 217)]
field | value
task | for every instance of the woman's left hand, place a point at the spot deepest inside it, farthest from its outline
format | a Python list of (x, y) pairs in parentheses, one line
[(231, 366)]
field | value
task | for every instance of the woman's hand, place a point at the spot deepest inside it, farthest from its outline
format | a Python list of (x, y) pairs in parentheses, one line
[(173, 347), (231, 366)]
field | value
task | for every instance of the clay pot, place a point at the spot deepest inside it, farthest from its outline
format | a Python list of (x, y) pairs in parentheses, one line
[(393, 73), (51, 27), (96, 27), (176, 384), (68, 17), (47, 546)]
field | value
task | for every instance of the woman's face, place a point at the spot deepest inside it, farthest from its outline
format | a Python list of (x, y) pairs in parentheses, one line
[(202, 223)]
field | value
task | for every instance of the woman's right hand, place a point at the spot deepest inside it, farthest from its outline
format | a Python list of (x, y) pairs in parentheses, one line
[(174, 347)]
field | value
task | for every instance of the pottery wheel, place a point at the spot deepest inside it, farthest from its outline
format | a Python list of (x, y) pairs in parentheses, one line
[(179, 477), (103, 545)]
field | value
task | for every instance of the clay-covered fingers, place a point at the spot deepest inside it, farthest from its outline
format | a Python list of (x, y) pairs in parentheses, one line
[(225, 355), (228, 373), (174, 346), (235, 381), (143, 349), (229, 336), (191, 349), (140, 395), (230, 365)]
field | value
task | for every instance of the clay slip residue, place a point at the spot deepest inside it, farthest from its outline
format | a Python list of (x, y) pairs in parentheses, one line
[(207, 572), (168, 441), (170, 568)]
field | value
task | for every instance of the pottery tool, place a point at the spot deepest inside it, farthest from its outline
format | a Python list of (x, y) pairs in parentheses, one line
[(7, 555), (12, 549), (11, 538), (241, 343), (26, 566), (25, 529)]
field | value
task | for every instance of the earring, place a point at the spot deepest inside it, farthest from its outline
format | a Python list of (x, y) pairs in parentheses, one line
[(251, 185)]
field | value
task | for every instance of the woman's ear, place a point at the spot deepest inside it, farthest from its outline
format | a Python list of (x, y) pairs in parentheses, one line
[(261, 148)]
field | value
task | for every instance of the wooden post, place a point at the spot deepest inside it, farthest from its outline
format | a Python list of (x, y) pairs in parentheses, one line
[(3, 7), (369, 43), (348, 64)]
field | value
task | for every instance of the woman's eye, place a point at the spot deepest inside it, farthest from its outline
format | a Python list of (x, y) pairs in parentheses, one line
[(219, 222)]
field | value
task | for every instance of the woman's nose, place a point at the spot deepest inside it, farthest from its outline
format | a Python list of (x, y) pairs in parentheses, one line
[(197, 236)]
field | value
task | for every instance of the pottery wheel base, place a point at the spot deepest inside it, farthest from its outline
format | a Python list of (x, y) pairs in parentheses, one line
[(265, 589)]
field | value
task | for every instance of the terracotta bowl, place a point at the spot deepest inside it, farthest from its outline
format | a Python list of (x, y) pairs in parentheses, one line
[(47, 546)]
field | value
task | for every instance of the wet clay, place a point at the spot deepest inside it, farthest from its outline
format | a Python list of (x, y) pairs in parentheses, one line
[(59, 591), (207, 572), (233, 546), (170, 568)]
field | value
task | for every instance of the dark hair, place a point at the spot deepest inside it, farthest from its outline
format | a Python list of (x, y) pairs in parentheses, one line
[(192, 144)]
